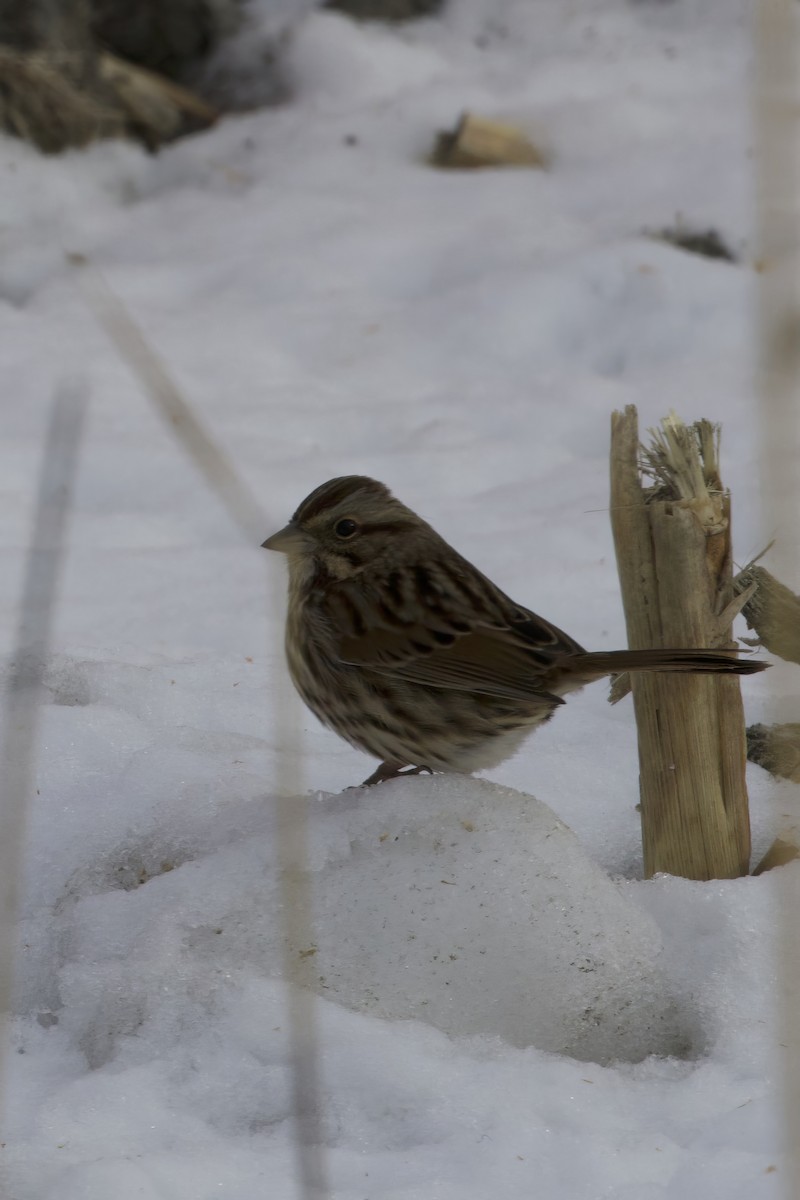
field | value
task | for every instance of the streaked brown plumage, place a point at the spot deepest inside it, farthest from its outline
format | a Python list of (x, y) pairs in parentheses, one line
[(408, 652)]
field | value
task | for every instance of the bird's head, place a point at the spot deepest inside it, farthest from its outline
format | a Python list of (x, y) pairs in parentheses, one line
[(342, 526)]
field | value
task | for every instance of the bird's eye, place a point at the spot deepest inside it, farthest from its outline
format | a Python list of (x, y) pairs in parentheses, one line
[(345, 529)]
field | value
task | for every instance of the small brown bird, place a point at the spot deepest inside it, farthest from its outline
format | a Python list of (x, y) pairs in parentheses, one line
[(408, 652)]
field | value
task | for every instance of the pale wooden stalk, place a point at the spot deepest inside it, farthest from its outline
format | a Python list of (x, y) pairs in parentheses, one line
[(674, 559)]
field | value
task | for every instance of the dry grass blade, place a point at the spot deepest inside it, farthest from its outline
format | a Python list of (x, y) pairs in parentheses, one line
[(131, 345), (246, 513), (22, 698)]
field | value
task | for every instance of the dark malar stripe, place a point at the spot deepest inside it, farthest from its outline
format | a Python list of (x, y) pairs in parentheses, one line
[(355, 618), (349, 556)]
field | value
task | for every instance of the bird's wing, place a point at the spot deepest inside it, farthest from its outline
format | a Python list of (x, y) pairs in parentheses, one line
[(445, 625)]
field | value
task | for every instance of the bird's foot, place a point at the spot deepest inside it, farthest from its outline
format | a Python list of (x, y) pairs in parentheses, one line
[(390, 770)]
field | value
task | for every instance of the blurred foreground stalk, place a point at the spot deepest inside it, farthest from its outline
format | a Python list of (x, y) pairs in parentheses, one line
[(23, 695), (243, 508), (777, 186)]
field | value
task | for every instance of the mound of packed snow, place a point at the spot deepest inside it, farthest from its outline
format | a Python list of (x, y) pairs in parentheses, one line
[(447, 899), (473, 907)]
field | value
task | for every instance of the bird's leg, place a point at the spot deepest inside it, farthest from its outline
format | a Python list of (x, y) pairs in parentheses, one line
[(391, 770)]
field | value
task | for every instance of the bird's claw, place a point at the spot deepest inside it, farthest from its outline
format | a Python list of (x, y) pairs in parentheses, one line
[(393, 771)]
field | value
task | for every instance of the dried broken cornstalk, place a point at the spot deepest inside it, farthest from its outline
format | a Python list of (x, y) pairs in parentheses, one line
[(673, 546), (772, 610), (156, 109), (776, 748), (59, 88), (480, 142)]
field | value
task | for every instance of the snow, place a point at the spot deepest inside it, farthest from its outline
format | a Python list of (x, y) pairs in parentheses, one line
[(506, 1008)]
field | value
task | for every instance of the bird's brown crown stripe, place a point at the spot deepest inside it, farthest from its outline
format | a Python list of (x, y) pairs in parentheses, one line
[(329, 494)]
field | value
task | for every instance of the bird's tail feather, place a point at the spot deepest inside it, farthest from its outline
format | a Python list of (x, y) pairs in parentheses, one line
[(716, 662)]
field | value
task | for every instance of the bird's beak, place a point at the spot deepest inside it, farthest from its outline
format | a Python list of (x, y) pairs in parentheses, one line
[(288, 540)]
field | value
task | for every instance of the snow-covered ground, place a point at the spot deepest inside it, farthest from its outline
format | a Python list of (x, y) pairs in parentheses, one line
[(508, 1010)]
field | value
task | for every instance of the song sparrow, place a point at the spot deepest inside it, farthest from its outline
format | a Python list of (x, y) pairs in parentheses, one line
[(408, 652)]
